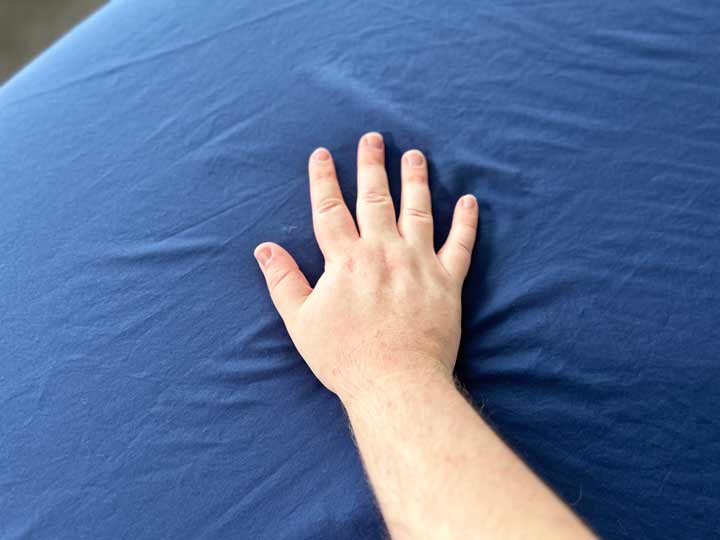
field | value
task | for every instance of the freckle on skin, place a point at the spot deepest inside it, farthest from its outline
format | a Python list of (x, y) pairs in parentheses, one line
[(388, 264)]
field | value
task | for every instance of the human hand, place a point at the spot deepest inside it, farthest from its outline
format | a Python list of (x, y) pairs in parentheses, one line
[(387, 305)]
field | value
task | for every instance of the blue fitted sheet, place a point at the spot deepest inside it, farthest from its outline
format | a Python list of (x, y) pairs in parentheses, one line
[(149, 390)]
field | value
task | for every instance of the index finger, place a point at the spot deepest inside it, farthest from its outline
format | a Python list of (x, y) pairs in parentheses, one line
[(334, 226)]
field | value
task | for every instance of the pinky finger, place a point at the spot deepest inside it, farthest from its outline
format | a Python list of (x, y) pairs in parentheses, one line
[(456, 252)]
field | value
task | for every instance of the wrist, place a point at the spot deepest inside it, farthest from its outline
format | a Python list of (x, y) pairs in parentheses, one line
[(384, 390)]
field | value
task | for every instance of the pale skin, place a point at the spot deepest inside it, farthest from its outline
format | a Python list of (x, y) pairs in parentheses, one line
[(381, 329)]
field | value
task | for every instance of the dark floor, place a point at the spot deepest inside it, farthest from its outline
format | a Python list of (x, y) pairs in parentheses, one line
[(27, 27)]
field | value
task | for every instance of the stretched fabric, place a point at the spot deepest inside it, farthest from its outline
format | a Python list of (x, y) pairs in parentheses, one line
[(148, 388)]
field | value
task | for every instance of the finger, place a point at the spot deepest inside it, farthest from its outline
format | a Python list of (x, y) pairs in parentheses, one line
[(416, 222), (334, 226), (456, 252), (375, 212), (286, 283)]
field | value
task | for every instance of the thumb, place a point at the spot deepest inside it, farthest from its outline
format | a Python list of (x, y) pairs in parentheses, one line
[(286, 283)]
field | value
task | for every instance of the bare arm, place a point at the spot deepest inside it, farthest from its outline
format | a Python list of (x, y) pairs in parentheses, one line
[(381, 329), (439, 471)]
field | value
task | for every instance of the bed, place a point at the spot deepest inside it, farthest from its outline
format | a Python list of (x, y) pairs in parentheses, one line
[(148, 388)]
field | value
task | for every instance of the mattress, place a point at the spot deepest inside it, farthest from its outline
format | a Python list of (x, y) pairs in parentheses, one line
[(148, 388)]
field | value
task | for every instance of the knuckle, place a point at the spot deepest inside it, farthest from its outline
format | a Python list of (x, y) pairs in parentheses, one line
[(324, 172), (419, 214), (376, 197), (417, 179), (329, 204), (278, 277), (468, 230), (464, 245), (372, 160)]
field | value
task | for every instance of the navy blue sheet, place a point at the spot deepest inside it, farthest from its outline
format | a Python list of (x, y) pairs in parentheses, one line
[(149, 390)]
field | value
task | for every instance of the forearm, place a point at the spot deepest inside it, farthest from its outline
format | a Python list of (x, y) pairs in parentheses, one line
[(439, 471)]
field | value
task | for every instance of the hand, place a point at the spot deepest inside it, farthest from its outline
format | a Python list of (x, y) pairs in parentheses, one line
[(387, 305), (381, 329)]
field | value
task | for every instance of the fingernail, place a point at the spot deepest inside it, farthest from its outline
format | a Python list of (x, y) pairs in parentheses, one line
[(468, 201), (321, 154), (263, 256), (415, 159), (374, 140)]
